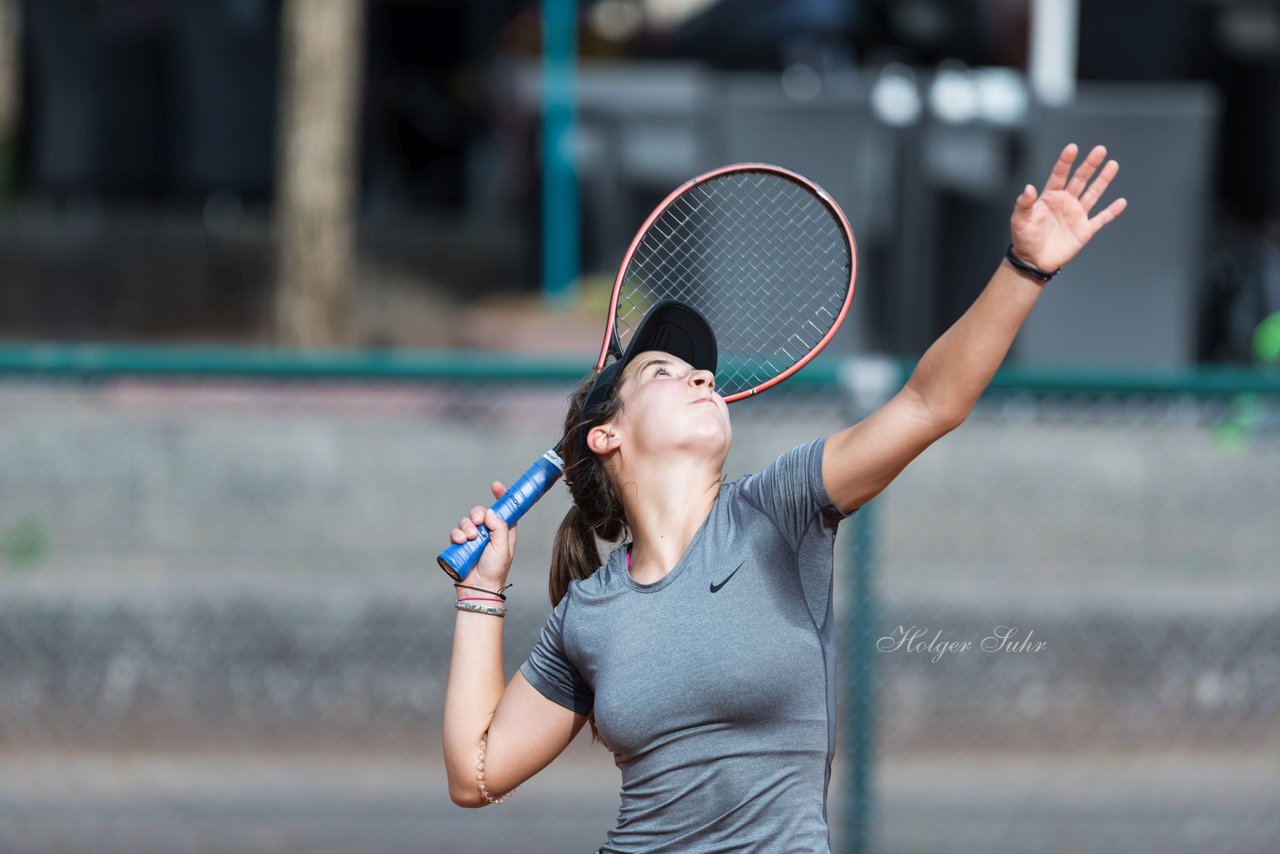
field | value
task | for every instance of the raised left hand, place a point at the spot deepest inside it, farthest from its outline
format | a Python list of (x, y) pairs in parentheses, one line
[(1050, 229)]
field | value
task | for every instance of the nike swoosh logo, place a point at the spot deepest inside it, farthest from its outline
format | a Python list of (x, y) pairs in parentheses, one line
[(715, 588)]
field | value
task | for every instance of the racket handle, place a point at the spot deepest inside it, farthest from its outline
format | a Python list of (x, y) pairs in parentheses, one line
[(458, 560)]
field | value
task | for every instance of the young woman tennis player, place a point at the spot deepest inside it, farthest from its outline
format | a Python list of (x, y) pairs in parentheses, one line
[(702, 648)]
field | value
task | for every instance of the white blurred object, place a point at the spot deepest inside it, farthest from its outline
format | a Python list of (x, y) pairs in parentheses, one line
[(895, 96), (616, 20), (1054, 27), (953, 97), (669, 14), (871, 380), (1002, 95)]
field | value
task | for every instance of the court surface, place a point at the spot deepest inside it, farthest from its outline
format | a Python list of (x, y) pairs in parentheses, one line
[(387, 803)]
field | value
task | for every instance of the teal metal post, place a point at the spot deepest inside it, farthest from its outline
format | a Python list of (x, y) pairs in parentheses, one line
[(859, 739), (559, 179), (868, 383)]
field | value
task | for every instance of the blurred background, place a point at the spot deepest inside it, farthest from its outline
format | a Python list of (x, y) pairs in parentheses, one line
[(285, 283)]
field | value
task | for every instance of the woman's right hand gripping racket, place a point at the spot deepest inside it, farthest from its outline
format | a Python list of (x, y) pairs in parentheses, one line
[(763, 253)]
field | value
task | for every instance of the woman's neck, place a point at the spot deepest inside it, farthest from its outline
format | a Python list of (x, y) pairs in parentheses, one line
[(664, 512)]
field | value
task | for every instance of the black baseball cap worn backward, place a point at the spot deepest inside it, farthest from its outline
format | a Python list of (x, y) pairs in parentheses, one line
[(669, 326)]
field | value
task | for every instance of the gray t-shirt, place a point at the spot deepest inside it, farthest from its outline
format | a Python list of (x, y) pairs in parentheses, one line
[(715, 686)]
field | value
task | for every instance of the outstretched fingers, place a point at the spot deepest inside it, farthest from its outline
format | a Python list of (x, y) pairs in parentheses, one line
[(1061, 169), (1108, 215), (1098, 187), (1026, 199), (1086, 171)]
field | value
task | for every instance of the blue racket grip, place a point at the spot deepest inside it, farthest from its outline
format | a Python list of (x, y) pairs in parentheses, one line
[(458, 560)]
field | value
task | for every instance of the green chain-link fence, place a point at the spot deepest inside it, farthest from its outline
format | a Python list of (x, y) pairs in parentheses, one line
[(1078, 633), (221, 625)]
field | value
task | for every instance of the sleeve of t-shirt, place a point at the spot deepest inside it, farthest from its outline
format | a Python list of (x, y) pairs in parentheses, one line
[(792, 492), (549, 670)]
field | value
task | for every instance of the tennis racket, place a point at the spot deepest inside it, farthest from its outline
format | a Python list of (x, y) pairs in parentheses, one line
[(763, 253)]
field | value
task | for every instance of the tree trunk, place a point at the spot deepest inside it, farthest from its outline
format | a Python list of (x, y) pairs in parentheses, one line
[(317, 172)]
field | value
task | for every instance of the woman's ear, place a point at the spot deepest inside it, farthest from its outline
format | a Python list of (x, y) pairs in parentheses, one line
[(602, 438)]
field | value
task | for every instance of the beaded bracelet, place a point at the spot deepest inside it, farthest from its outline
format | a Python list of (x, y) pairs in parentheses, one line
[(480, 609), (484, 792)]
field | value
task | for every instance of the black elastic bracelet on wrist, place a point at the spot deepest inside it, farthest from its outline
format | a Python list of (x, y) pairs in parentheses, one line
[(1022, 266), (500, 592)]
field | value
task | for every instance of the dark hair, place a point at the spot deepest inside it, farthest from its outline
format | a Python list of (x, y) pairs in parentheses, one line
[(596, 510)]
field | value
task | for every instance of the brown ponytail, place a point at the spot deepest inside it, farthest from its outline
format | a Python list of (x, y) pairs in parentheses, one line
[(596, 510)]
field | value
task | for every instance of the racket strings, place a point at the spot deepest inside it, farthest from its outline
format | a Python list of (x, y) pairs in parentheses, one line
[(760, 255)]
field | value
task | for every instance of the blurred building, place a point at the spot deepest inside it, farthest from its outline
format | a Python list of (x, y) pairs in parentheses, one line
[(144, 161)]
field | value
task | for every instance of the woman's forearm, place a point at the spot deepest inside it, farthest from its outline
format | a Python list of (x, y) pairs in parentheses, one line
[(955, 370), (474, 688)]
